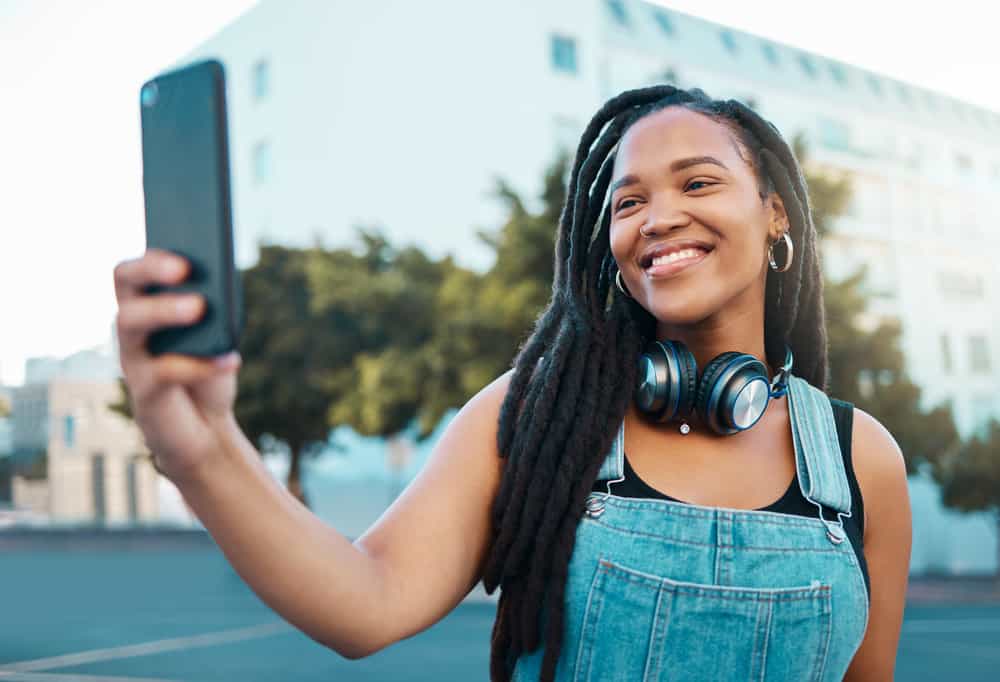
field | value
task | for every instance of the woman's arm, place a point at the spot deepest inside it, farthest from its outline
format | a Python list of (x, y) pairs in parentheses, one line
[(878, 463), (413, 566)]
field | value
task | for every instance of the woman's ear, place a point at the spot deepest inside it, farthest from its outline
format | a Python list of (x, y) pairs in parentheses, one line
[(778, 224)]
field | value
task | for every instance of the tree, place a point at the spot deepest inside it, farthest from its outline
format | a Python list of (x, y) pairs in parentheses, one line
[(970, 475), (380, 378), (287, 354)]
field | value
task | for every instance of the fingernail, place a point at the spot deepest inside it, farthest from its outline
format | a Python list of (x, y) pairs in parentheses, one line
[(227, 359)]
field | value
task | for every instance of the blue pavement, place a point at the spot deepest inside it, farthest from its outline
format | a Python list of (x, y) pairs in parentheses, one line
[(105, 615)]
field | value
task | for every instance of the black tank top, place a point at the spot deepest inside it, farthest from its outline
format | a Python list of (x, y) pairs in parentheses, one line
[(792, 502)]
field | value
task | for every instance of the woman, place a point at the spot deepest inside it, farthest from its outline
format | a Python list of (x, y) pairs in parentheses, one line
[(603, 574)]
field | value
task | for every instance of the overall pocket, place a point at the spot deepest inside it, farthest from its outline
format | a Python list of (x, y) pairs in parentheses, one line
[(639, 626)]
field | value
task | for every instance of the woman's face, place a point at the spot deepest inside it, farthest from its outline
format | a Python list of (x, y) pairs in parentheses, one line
[(715, 205)]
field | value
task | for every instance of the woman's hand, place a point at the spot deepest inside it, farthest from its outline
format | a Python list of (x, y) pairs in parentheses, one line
[(178, 401)]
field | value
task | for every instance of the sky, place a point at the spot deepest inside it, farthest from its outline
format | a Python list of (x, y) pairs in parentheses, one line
[(70, 155)]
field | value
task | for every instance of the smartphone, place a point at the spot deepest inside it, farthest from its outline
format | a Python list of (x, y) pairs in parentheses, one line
[(186, 185)]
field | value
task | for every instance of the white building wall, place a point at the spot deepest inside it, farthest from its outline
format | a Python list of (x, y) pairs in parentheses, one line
[(401, 114), (395, 113), (84, 428)]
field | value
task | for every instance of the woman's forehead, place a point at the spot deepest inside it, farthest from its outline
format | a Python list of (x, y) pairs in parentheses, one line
[(673, 133)]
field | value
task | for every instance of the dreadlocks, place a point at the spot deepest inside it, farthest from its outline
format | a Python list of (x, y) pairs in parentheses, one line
[(562, 410)]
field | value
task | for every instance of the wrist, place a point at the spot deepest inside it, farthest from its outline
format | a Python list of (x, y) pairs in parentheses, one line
[(224, 452)]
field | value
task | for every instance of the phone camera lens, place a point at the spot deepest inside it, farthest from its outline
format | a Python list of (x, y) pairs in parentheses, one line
[(148, 95)]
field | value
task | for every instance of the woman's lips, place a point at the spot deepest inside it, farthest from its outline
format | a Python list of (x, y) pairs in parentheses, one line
[(670, 269)]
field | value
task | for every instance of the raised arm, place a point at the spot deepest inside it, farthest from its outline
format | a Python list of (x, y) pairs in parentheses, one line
[(407, 571)]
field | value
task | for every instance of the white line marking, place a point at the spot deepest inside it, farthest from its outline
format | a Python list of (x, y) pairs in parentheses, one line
[(62, 677), (146, 648)]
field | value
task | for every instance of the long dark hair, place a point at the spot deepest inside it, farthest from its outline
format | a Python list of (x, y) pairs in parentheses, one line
[(563, 408)]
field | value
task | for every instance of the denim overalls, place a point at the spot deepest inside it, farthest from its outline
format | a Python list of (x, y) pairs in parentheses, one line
[(664, 590)]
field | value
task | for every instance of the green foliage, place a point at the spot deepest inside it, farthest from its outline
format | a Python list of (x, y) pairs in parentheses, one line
[(122, 405), (385, 337), (287, 352), (970, 474)]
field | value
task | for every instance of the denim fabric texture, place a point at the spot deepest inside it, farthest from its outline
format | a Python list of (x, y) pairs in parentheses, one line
[(660, 590)]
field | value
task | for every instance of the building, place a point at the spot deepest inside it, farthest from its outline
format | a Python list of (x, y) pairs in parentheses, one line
[(87, 463), (402, 115)]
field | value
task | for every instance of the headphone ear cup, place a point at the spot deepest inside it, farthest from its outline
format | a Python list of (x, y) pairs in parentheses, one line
[(706, 386), (666, 381)]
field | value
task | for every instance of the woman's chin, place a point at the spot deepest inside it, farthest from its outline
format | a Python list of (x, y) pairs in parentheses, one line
[(680, 312)]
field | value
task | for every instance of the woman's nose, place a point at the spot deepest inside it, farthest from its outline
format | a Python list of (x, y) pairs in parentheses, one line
[(661, 222)]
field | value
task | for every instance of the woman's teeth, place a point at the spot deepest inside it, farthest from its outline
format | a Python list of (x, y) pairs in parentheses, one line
[(675, 256)]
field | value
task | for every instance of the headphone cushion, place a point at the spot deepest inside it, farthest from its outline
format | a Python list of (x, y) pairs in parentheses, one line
[(709, 375), (689, 381)]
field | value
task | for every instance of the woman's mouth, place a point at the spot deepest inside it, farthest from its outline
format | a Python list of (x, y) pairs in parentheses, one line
[(668, 266)]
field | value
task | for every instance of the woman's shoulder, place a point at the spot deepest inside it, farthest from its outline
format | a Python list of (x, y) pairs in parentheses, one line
[(880, 469)]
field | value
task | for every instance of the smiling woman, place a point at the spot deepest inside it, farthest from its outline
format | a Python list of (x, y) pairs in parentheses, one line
[(549, 483), (683, 204)]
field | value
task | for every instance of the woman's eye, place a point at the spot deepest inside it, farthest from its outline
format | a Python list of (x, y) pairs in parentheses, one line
[(622, 204), (698, 182)]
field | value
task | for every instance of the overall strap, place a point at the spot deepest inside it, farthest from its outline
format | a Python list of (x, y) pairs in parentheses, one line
[(613, 468), (818, 460)]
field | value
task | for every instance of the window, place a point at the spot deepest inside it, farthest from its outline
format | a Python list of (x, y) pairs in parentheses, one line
[(728, 40), (960, 285), (904, 94), (617, 8), (875, 85), (563, 54), (807, 65), (69, 432), (979, 354), (261, 79), (261, 161), (770, 53), (946, 363), (663, 21), (838, 73)]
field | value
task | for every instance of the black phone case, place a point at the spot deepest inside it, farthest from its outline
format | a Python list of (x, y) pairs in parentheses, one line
[(185, 160)]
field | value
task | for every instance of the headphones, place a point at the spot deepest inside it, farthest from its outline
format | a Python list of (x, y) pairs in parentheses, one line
[(729, 396)]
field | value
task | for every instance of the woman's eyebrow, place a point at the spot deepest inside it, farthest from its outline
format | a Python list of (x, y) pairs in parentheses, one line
[(679, 164)]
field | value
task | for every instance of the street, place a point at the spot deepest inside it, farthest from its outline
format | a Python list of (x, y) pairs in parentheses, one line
[(184, 614)]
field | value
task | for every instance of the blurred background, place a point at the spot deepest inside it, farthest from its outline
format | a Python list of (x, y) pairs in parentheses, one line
[(398, 169)]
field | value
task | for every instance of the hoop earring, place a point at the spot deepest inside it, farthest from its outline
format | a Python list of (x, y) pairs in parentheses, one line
[(621, 288), (791, 252)]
